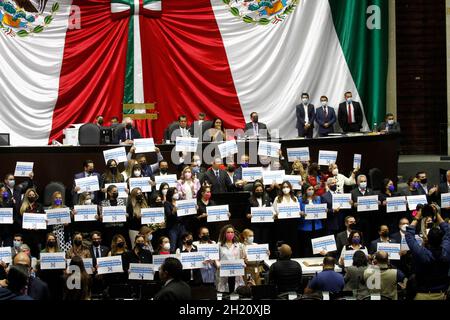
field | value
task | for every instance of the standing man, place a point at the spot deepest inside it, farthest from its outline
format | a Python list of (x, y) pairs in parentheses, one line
[(255, 128), (350, 114), (325, 118), (305, 117), (88, 171)]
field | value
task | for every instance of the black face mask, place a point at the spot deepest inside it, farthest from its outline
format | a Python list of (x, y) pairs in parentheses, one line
[(140, 246), (100, 121), (189, 242), (51, 244), (333, 188), (351, 226), (32, 199), (120, 244), (230, 168), (424, 181), (205, 238), (90, 171), (77, 242), (129, 126), (255, 119), (96, 243), (259, 194), (385, 234), (163, 170), (159, 204), (113, 170), (115, 195), (430, 225), (140, 197)]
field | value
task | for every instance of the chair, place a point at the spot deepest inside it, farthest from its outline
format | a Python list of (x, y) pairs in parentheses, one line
[(149, 290), (120, 291), (249, 187), (376, 179), (168, 131), (89, 134), (116, 131), (4, 139), (51, 188), (204, 293), (264, 292)]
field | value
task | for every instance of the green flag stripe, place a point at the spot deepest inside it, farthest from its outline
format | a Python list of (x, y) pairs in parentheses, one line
[(365, 50), (128, 96)]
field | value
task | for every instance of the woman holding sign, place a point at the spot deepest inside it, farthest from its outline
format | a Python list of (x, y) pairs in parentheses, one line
[(62, 231), (111, 175), (204, 201), (309, 229), (136, 202), (175, 225), (188, 185), (112, 200), (354, 243), (34, 238), (260, 199), (390, 219)]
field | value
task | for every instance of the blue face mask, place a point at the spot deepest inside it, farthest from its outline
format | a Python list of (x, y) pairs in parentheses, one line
[(356, 240), (244, 165), (17, 244), (58, 202), (391, 188), (5, 195)]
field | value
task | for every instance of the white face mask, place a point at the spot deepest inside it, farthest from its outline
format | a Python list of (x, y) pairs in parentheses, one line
[(198, 163), (88, 202), (305, 100), (286, 191), (150, 237), (403, 227), (166, 246), (164, 191), (363, 185), (250, 240), (390, 122), (324, 103), (137, 173), (176, 196)]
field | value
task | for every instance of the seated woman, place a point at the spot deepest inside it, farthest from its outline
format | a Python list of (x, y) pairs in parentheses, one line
[(216, 132)]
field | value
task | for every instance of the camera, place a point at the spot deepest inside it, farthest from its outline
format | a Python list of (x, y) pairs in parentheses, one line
[(428, 210)]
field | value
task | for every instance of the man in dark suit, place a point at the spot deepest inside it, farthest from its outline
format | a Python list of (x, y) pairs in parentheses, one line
[(174, 289), (286, 274), (14, 190), (389, 125), (383, 231), (129, 133), (256, 129), (444, 188), (88, 166), (332, 214), (325, 118), (425, 188), (398, 236), (305, 117), (97, 249), (350, 114), (218, 179), (181, 130), (342, 237)]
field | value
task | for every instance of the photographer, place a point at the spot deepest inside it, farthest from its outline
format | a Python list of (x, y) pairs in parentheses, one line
[(431, 261)]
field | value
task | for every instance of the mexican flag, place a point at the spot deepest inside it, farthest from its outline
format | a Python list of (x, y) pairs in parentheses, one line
[(65, 62)]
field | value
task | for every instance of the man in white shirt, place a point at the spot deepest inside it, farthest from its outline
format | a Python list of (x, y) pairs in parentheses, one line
[(305, 117), (350, 114), (182, 130)]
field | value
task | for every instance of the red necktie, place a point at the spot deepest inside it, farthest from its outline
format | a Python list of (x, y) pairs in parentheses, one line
[(350, 113)]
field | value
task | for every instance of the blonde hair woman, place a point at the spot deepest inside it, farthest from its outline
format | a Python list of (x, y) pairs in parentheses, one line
[(188, 185), (135, 204)]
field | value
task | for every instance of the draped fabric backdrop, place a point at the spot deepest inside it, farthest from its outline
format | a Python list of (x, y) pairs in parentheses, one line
[(215, 56)]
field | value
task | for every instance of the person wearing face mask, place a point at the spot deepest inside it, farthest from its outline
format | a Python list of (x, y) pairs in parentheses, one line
[(217, 178), (136, 203), (29, 204), (188, 185), (111, 175), (17, 242), (316, 178), (208, 273), (129, 167), (61, 231), (425, 188), (308, 229), (333, 215), (174, 288), (259, 199), (176, 226), (51, 245), (238, 182), (138, 255), (196, 166), (119, 247), (369, 218), (163, 189), (256, 129), (78, 248), (148, 170), (389, 219), (163, 246), (99, 120), (192, 277), (88, 171), (252, 268), (354, 243), (350, 114), (112, 228), (147, 232), (128, 133), (204, 201), (342, 180), (13, 191), (389, 125), (163, 168), (97, 250), (229, 249), (286, 229), (85, 227), (325, 117), (383, 232), (305, 117)]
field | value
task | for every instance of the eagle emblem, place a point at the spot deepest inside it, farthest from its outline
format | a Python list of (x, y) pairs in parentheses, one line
[(262, 12)]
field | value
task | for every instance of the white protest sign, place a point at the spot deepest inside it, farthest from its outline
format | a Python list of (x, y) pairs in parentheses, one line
[(192, 260), (316, 211), (252, 174), (23, 169), (392, 249), (144, 145), (34, 221), (270, 149), (143, 183), (6, 254), (6, 215), (209, 251), (404, 246), (368, 203), (53, 261), (121, 188), (413, 201), (158, 260), (445, 200), (342, 201), (289, 211), (186, 207), (327, 243), (85, 213), (232, 268), (88, 184), (58, 216), (295, 181), (301, 154), (119, 154), (357, 158), (273, 176), (141, 271), (186, 144), (152, 215), (257, 252), (228, 148), (327, 157), (262, 214), (395, 204), (109, 265), (114, 214), (170, 179), (217, 213)]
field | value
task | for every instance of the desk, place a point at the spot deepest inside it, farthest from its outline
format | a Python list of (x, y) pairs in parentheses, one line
[(307, 271), (60, 163)]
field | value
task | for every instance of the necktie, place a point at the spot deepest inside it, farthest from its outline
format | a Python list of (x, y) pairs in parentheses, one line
[(326, 114), (98, 253), (128, 135), (350, 119), (255, 128), (218, 175)]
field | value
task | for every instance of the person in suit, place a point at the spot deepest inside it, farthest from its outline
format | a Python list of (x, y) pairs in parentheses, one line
[(256, 129), (196, 128), (181, 130), (129, 133), (88, 166), (444, 187), (174, 289), (332, 222), (425, 188), (383, 231), (342, 237), (305, 117), (218, 179), (14, 191), (97, 250), (350, 114), (286, 274), (389, 125), (325, 117)]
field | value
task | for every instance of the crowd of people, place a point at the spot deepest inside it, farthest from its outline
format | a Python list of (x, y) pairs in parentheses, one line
[(423, 266)]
